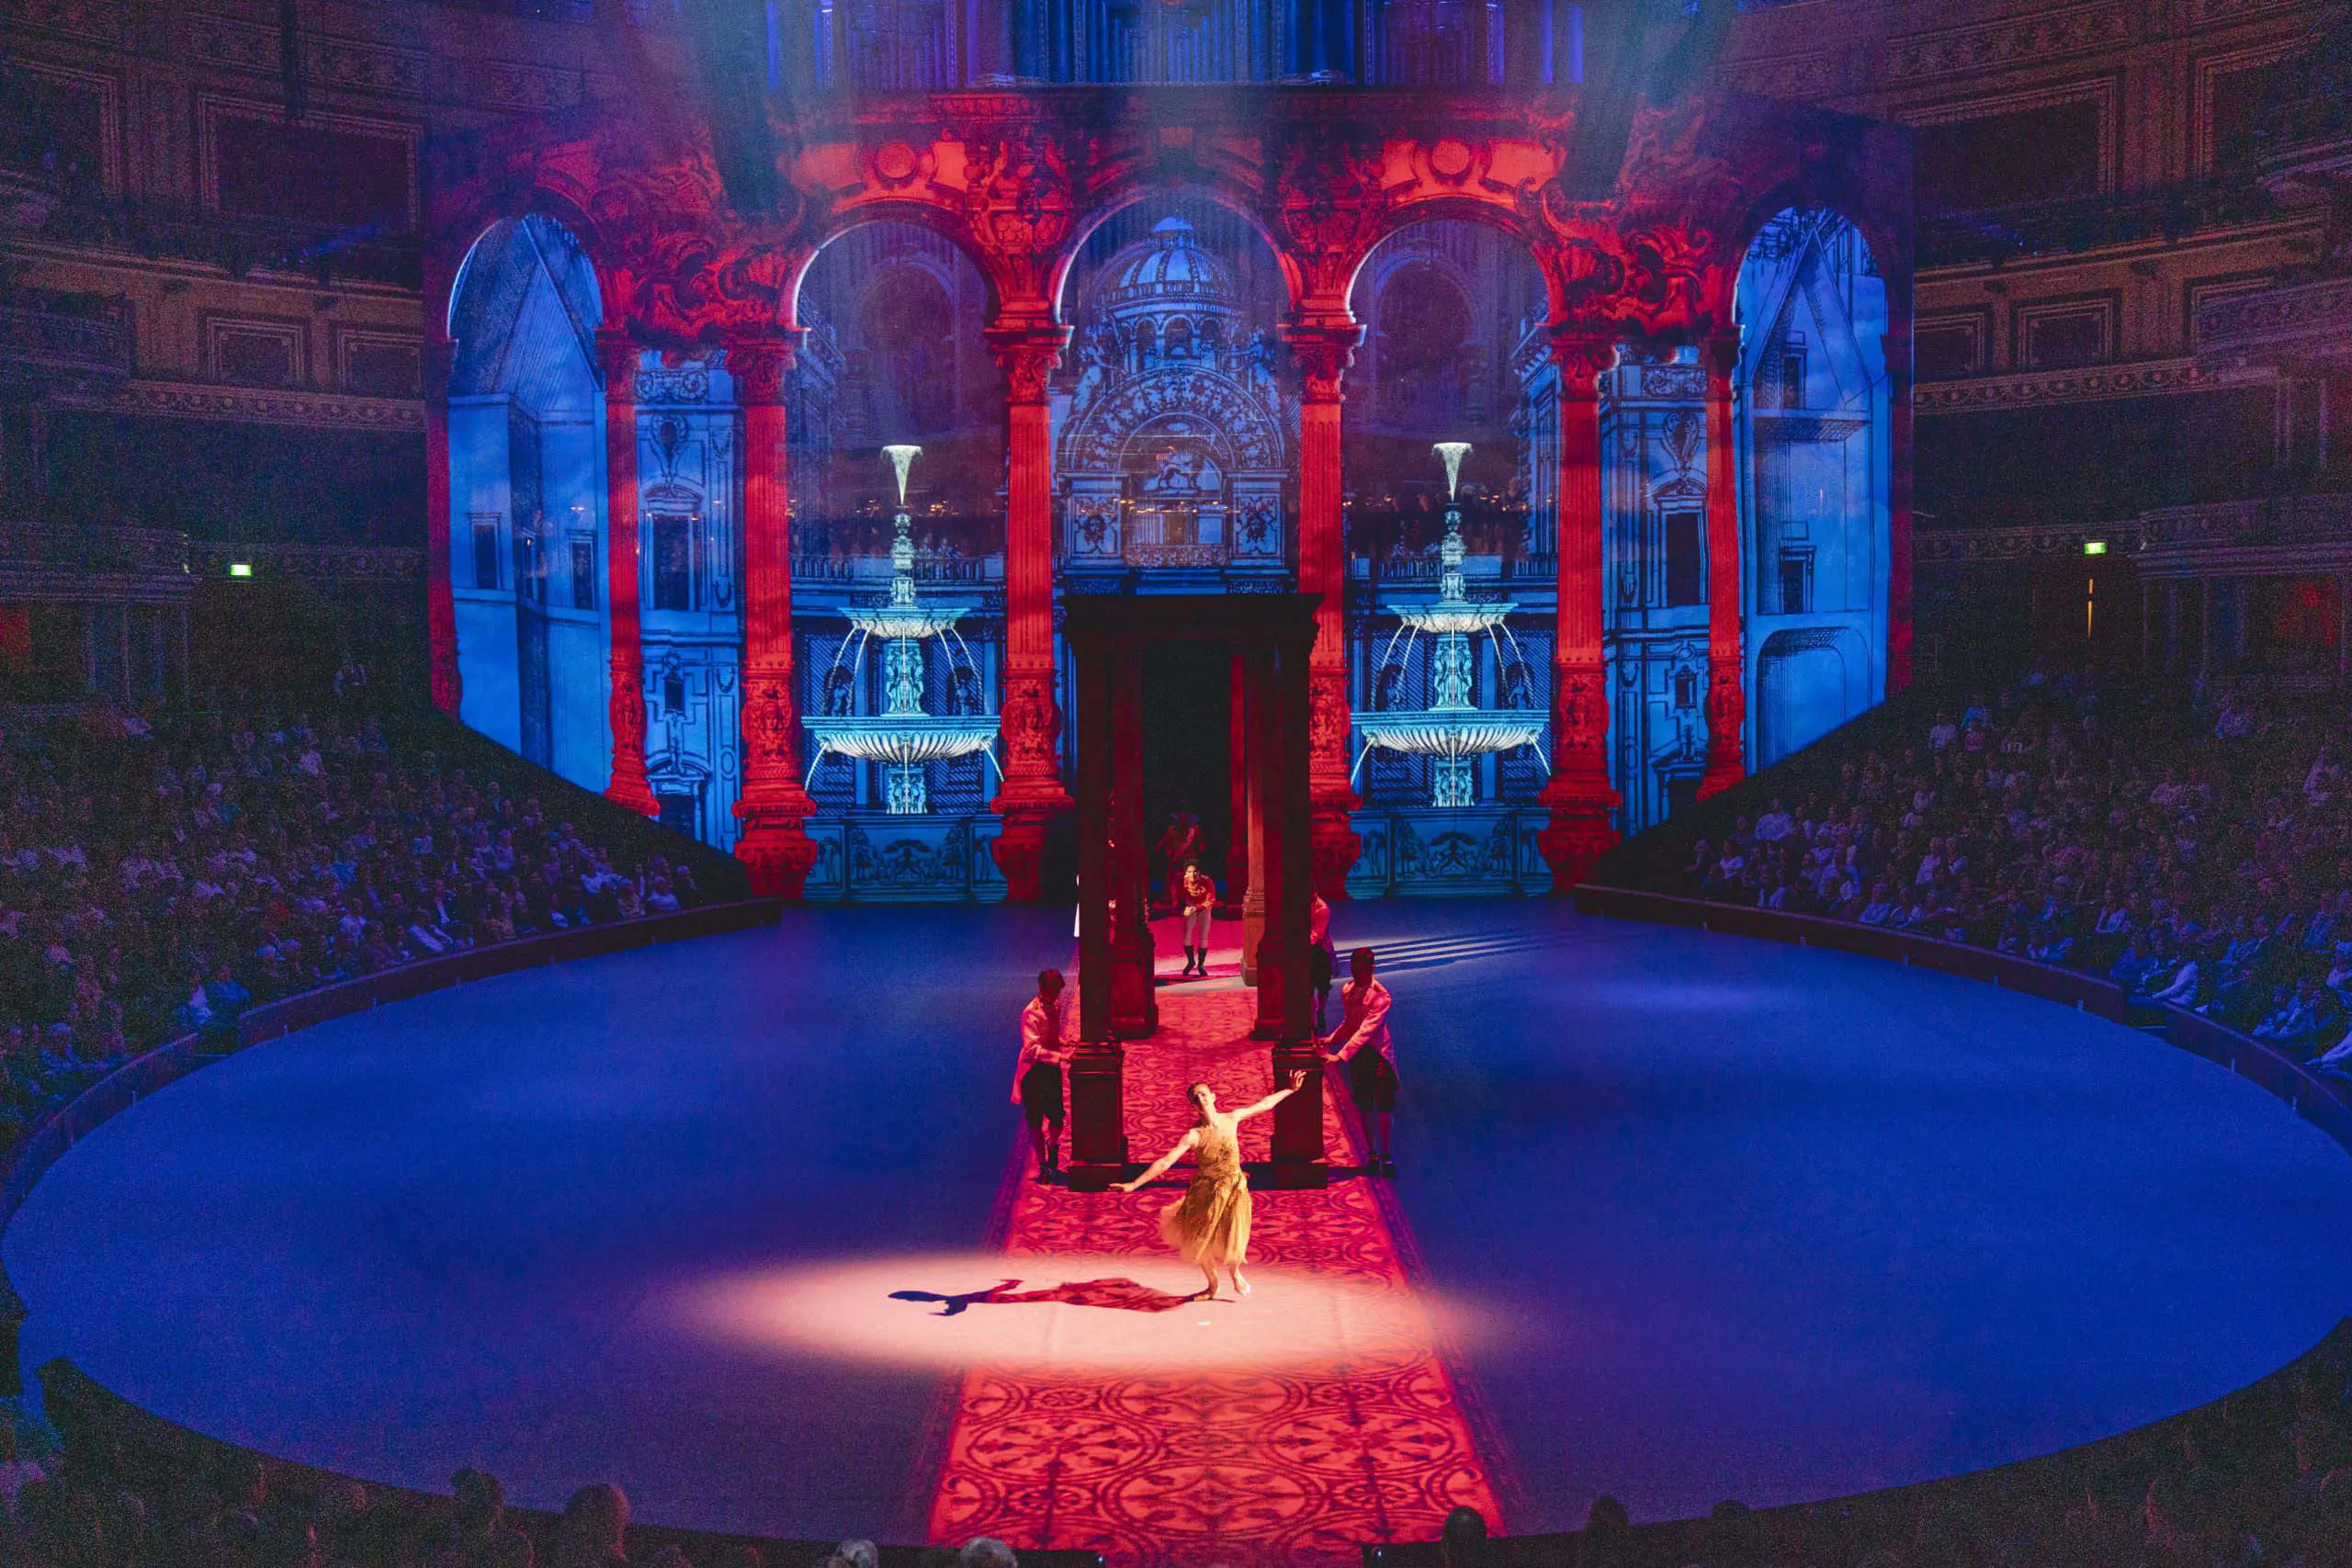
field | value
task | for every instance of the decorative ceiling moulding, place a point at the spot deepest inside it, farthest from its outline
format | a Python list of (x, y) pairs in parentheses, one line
[(2099, 384), (241, 405), (1990, 546), (1805, 78), (99, 20), (2024, 40)]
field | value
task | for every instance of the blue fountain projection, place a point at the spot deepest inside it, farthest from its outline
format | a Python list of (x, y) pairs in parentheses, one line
[(902, 737), (1453, 731)]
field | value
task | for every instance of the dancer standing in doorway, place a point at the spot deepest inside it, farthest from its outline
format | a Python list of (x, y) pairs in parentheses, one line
[(1362, 1042), (1038, 1076), (1196, 896), (1210, 1224)]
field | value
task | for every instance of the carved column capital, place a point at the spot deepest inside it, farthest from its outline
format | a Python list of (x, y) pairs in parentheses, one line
[(1029, 356), (1582, 354), (1324, 350), (616, 360), (758, 361)]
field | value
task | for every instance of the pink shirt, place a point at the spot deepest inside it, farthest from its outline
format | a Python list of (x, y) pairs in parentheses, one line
[(1365, 1024), (1041, 1040)]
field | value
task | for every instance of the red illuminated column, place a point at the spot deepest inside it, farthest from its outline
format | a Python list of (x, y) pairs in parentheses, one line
[(440, 604), (774, 846), (618, 355), (1579, 796), (1898, 508), (1726, 647), (1323, 351), (1029, 721)]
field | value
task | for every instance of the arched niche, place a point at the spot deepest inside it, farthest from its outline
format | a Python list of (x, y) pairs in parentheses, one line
[(1178, 423), (1815, 476), (526, 496), (1449, 304), (894, 354)]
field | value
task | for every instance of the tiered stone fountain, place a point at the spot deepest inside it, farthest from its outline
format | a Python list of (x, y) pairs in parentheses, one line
[(902, 737), (1453, 731)]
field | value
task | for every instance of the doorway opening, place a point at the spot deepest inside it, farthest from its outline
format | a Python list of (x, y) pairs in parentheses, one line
[(1188, 771)]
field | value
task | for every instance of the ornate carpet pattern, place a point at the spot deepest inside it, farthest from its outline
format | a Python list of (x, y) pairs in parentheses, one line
[(1290, 1464)]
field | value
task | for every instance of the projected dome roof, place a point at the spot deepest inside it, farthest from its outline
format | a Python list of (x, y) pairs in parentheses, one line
[(1168, 271)]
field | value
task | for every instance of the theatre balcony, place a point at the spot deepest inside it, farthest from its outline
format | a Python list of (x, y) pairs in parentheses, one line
[(92, 613)]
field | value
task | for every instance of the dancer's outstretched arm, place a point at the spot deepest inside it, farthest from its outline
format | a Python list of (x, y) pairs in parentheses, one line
[(1290, 1087), (1159, 1167)]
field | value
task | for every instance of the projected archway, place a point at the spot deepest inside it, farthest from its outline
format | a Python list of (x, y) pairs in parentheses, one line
[(1451, 311), (894, 356), (1814, 470), (526, 458)]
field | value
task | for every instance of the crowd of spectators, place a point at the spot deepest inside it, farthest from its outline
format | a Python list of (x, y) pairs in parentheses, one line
[(2262, 1479), (158, 878), (2194, 846), (67, 1508)]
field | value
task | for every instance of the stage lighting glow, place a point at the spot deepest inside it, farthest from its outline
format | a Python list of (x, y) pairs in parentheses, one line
[(1066, 1314)]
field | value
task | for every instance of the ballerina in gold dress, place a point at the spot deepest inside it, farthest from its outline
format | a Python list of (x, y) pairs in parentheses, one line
[(1210, 1224)]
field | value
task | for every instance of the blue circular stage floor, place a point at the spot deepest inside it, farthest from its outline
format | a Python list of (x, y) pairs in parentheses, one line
[(1739, 1220)]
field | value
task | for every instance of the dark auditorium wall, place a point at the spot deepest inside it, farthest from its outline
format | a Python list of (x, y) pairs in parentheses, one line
[(280, 638), (2095, 461), (218, 480)]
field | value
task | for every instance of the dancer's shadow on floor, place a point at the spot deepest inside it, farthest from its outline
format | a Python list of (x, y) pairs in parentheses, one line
[(1119, 1295)]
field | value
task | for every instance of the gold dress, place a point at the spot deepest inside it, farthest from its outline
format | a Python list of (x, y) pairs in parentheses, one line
[(1210, 1224)]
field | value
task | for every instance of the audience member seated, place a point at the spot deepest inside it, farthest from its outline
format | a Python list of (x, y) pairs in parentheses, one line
[(159, 879)]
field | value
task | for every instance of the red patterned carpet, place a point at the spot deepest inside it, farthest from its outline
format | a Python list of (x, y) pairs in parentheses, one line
[(1227, 1458)]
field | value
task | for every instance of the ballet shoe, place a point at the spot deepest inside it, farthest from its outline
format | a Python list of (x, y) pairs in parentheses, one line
[(1241, 1287)]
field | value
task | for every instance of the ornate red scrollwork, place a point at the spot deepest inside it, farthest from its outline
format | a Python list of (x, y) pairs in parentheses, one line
[(1327, 204), (1031, 724), (1019, 206), (1651, 282)]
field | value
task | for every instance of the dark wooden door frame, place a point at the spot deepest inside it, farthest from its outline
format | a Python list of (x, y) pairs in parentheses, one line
[(1270, 636)]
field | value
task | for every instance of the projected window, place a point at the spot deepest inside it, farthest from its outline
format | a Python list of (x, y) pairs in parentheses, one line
[(584, 574), (1797, 582), (673, 562), (485, 550), (1685, 568)]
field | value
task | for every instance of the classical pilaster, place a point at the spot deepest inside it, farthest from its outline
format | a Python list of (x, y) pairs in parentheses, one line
[(1726, 647), (1580, 797), (1323, 350), (617, 355), (774, 845), (440, 603), (1029, 721)]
